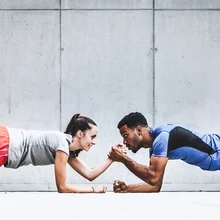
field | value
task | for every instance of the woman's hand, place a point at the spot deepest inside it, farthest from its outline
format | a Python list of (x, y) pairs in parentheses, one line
[(100, 189), (122, 148)]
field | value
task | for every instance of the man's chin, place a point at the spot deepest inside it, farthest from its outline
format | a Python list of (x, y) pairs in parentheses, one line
[(136, 149)]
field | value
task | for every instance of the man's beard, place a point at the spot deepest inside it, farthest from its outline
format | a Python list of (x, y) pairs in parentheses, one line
[(137, 143), (135, 150)]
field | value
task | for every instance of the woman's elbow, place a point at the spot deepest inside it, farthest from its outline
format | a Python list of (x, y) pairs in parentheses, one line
[(90, 178), (62, 189)]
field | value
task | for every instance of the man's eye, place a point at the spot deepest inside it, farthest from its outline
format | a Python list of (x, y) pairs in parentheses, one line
[(125, 135)]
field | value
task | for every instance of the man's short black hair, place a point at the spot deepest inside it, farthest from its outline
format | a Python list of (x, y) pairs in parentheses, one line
[(132, 120)]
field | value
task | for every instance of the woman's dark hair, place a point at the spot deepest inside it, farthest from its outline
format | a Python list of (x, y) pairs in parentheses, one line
[(78, 122), (132, 120)]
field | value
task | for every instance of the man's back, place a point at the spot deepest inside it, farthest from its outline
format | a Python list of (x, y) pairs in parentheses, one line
[(187, 144)]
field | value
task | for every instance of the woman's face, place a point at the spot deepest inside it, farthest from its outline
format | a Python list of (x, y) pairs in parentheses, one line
[(88, 137)]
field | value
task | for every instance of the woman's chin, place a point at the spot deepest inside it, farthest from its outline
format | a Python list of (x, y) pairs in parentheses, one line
[(87, 149)]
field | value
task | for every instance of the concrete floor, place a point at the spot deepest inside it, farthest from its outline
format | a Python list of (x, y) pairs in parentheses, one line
[(164, 205)]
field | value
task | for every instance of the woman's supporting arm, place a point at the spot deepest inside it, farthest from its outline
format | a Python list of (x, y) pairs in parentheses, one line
[(60, 175)]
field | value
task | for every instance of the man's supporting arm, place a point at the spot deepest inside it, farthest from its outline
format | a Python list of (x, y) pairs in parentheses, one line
[(151, 174), (121, 187)]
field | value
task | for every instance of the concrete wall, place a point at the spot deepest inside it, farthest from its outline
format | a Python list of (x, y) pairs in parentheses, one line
[(105, 59)]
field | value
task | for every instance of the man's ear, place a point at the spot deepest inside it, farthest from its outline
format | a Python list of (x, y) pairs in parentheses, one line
[(139, 129)]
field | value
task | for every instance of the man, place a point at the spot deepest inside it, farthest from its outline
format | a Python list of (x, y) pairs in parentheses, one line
[(165, 142)]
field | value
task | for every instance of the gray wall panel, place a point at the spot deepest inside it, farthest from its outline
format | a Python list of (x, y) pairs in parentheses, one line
[(187, 78), (106, 71), (29, 4), (29, 69), (107, 4), (29, 84), (187, 4), (187, 63)]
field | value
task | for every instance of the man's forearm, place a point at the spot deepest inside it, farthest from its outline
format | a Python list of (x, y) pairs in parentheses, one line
[(141, 171), (144, 188)]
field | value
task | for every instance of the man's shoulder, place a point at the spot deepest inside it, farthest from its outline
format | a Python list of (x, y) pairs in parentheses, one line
[(159, 130)]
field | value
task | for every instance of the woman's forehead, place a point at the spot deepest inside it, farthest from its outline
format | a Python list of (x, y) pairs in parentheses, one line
[(94, 129)]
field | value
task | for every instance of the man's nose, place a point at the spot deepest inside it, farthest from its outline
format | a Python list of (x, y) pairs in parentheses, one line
[(93, 142), (124, 141)]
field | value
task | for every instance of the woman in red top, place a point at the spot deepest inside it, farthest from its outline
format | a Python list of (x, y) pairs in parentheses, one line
[(4, 143)]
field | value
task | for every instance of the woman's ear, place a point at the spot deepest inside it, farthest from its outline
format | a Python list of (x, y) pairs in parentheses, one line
[(79, 133)]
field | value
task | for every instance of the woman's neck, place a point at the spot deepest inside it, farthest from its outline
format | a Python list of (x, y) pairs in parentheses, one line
[(75, 145)]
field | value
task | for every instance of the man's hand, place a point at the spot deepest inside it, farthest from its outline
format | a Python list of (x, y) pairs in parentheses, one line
[(119, 186), (117, 153)]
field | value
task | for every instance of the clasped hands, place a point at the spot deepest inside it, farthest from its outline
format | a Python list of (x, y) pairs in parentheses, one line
[(117, 152)]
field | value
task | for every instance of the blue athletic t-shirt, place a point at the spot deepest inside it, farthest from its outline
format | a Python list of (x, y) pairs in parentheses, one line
[(187, 144)]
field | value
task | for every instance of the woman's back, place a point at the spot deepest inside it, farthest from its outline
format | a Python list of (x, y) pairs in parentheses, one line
[(35, 147)]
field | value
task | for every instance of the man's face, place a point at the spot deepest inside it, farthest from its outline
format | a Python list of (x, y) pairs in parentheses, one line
[(131, 138)]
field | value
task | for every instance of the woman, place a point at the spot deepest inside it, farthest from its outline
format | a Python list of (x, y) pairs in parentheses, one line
[(23, 147)]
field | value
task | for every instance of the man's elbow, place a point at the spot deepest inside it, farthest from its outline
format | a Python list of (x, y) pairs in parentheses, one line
[(156, 184), (153, 181), (157, 188)]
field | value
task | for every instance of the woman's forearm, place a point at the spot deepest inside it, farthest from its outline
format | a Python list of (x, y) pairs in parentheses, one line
[(99, 169), (74, 189)]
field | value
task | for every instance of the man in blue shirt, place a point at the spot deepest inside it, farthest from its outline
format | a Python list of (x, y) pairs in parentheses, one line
[(166, 142)]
